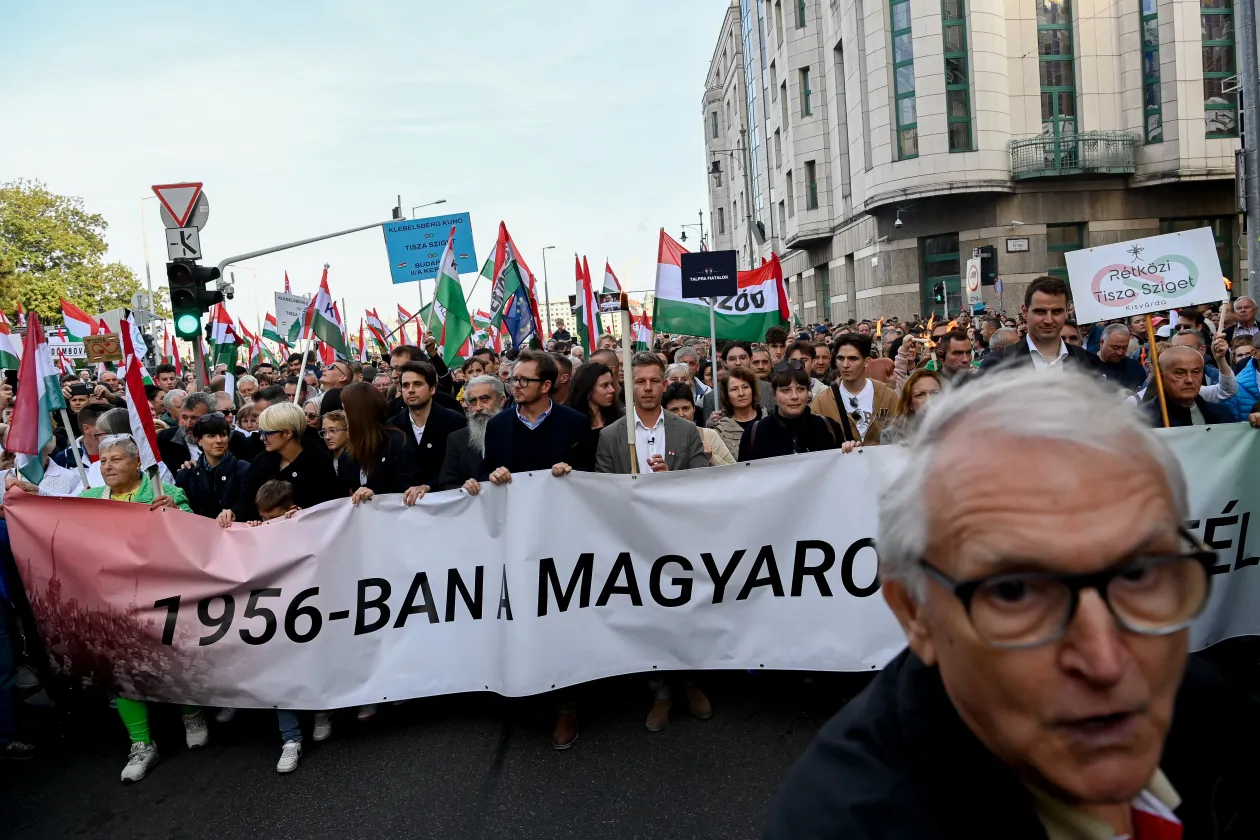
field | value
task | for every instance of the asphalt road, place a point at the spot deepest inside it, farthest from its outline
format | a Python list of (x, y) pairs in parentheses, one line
[(468, 766)]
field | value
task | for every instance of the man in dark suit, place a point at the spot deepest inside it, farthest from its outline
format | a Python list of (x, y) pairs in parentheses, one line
[(465, 447), (1245, 311), (424, 424), (410, 353), (663, 442), (175, 445), (1181, 368), (1046, 310)]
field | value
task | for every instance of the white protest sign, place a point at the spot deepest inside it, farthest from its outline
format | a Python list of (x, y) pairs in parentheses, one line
[(1143, 276), (974, 295), (289, 308)]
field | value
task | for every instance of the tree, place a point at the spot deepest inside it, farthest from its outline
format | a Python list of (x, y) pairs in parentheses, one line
[(50, 248)]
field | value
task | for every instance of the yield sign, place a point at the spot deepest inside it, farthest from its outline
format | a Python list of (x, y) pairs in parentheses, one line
[(178, 199)]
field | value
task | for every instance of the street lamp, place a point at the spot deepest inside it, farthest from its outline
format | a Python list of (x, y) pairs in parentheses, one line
[(430, 204), (703, 241), (547, 290)]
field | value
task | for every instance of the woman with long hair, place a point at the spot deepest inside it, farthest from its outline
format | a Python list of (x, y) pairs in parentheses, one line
[(791, 429), (593, 391), (737, 393), (374, 460), (922, 385)]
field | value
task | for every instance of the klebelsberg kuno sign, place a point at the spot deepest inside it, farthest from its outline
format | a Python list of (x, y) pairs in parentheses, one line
[(1154, 274)]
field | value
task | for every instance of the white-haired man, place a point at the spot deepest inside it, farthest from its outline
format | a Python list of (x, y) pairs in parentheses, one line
[(1047, 613), (484, 397)]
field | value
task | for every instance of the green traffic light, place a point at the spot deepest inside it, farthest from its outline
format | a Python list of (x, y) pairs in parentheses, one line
[(187, 324)]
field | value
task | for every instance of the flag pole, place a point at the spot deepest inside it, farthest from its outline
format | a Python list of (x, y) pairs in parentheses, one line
[(717, 404), (74, 447), (1159, 378), (627, 383)]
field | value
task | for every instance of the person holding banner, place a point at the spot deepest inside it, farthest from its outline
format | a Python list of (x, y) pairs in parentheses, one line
[(287, 458), (1047, 613), (663, 441), (791, 429), (216, 482)]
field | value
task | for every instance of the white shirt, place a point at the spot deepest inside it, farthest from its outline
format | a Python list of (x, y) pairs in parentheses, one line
[(1040, 362), (57, 480), (862, 402), (648, 441), (418, 431)]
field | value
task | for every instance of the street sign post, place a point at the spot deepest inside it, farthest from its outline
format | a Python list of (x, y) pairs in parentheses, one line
[(974, 295), (414, 246), (183, 243)]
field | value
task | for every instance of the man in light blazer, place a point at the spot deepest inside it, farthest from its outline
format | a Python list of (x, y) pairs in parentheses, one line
[(662, 441)]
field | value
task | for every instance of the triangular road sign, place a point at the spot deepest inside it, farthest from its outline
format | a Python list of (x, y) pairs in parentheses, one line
[(178, 199)]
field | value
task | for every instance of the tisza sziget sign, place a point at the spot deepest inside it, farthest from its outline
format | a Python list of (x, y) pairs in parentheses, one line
[(1141, 276)]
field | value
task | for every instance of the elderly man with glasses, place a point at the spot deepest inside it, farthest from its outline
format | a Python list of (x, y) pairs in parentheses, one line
[(1047, 613)]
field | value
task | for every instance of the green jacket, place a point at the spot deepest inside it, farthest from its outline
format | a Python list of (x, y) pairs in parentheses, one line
[(144, 495)]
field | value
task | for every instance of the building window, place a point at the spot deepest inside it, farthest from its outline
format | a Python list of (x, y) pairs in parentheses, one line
[(800, 14), (778, 150), (811, 185), (941, 266), (957, 92), (778, 23), (1059, 240), (783, 104), (1153, 106), (734, 213), (1056, 67), (1219, 104), (1222, 231), (907, 118), (774, 82), (791, 194), (783, 219), (713, 124), (806, 94), (721, 220)]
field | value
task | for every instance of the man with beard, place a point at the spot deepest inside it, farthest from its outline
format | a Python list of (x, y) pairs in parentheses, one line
[(425, 425), (484, 397)]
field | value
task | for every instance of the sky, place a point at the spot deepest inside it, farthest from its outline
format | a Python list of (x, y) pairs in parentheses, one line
[(576, 123)]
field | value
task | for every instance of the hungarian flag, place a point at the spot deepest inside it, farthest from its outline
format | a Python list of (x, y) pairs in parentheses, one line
[(223, 336), (38, 396), (10, 346), (128, 325), (362, 348), (611, 283), (79, 324), (287, 289), (760, 301), (640, 326), (512, 292), (21, 316), (378, 331), (271, 329), (403, 318), (321, 320), (449, 308), (138, 411), (587, 311)]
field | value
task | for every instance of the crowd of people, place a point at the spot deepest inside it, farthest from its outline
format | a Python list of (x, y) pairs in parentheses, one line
[(257, 444)]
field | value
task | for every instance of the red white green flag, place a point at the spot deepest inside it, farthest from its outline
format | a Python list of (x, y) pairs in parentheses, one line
[(10, 346), (587, 312), (38, 396)]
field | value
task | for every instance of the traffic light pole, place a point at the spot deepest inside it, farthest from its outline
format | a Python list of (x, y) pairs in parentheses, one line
[(261, 253)]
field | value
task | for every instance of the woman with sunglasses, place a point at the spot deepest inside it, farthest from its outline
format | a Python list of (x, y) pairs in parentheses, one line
[(791, 428), (288, 458), (215, 484), (375, 457)]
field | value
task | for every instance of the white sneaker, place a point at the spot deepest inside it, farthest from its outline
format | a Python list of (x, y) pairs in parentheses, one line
[(367, 712), (225, 716), (289, 756), (143, 756), (323, 726), (196, 734)]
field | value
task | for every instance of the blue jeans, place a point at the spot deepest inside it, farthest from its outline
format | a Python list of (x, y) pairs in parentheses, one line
[(290, 726)]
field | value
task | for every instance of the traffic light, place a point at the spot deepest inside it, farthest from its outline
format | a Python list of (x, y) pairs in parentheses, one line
[(189, 295), (938, 292), (988, 265)]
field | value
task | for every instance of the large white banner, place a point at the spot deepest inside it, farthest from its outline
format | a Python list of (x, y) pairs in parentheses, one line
[(540, 585)]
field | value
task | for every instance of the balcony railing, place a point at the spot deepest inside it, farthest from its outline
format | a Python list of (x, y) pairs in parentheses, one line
[(1086, 152)]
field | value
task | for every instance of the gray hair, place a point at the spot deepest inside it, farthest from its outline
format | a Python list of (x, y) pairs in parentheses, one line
[(168, 401), (1003, 337), (678, 367), (486, 379), (1241, 299), (114, 422), (197, 398), (1022, 404), (246, 379), (686, 350), (124, 442), (1115, 329)]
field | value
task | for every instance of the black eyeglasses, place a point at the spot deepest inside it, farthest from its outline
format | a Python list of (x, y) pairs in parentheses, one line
[(788, 364), (1151, 596), (523, 381)]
